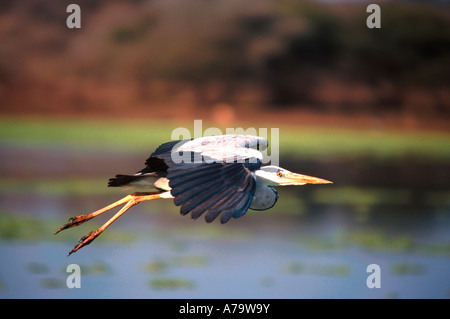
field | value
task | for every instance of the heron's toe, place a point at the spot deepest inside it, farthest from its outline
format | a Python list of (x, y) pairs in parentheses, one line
[(74, 221), (86, 240)]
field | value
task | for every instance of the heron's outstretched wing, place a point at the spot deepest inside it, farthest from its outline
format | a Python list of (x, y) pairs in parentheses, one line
[(229, 142), (223, 148), (212, 188), (212, 175)]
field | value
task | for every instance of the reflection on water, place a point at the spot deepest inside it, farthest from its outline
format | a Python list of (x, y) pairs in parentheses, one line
[(315, 243)]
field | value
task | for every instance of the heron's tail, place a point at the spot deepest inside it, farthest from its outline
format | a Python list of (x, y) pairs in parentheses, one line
[(122, 180), (142, 179)]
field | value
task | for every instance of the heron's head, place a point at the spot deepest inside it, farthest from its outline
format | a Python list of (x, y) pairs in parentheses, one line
[(277, 176)]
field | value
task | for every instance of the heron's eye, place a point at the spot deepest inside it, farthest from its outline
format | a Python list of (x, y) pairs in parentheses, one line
[(279, 174)]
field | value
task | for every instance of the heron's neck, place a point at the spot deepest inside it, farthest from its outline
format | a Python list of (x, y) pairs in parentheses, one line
[(265, 196), (265, 178)]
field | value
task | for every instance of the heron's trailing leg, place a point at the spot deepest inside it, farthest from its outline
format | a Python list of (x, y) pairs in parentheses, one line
[(78, 220), (130, 201)]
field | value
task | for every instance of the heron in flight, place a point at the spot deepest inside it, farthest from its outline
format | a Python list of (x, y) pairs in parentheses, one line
[(210, 176)]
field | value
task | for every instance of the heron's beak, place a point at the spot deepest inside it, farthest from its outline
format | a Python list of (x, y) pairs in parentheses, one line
[(299, 179)]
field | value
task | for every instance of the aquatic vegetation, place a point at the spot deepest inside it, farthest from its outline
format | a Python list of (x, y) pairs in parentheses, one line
[(96, 268), (402, 268), (32, 228), (321, 243), (23, 228), (164, 264), (156, 266), (76, 133), (52, 283), (357, 196), (316, 269), (435, 249), (37, 268), (376, 239), (305, 142), (267, 281), (193, 260), (171, 283), (392, 295), (372, 239), (315, 142), (55, 187)]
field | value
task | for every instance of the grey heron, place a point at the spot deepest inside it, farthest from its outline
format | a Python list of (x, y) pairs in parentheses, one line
[(214, 175)]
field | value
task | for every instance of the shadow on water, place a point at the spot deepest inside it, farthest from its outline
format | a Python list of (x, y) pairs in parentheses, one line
[(316, 242)]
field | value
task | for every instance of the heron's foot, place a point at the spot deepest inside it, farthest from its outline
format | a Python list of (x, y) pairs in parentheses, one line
[(75, 221), (86, 240)]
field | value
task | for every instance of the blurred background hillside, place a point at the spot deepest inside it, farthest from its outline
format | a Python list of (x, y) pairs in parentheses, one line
[(185, 58)]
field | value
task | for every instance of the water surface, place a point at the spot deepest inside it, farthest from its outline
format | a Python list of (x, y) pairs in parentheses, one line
[(315, 243)]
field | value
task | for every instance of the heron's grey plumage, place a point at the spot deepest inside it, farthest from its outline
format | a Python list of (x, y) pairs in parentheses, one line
[(211, 175)]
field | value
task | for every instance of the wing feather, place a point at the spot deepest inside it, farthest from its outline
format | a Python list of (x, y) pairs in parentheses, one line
[(215, 174)]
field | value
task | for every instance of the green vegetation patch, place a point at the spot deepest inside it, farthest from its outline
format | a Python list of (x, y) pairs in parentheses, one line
[(162, 265), (401, 268), (24, 228), (79, 133), (305, 142), (375, 240), (361, 196), (366, 239), (96, 268), (37, 268), (30, 228), (171, 283), (53, 283), (317, 269), (58, 187), (350, 142)]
